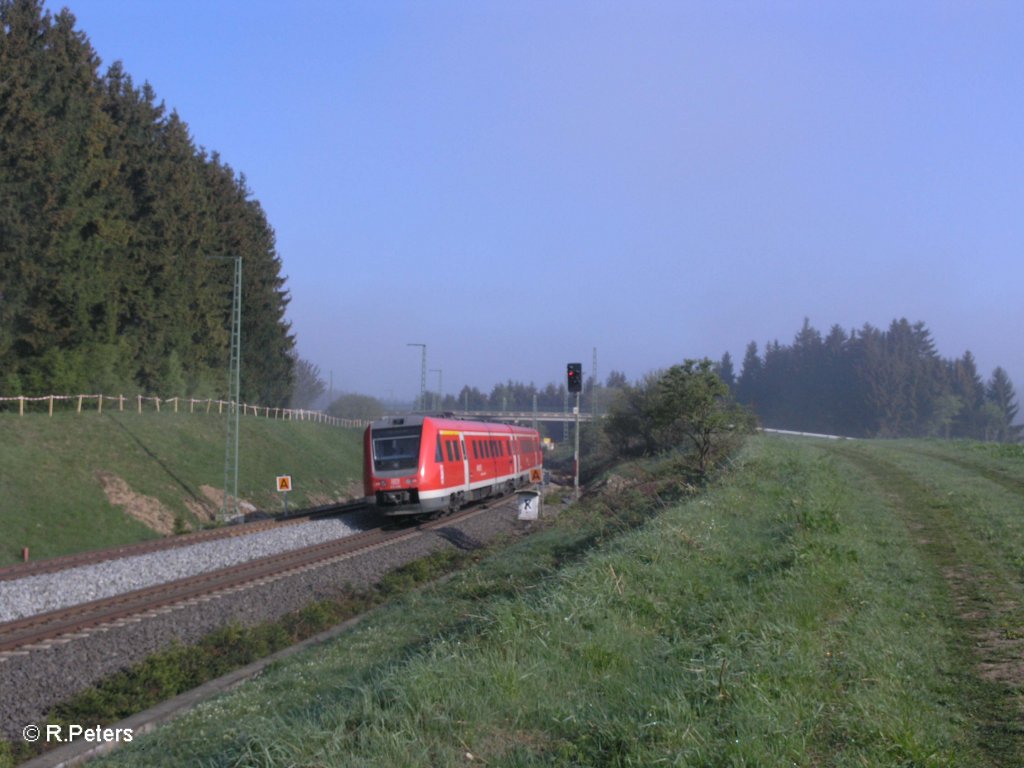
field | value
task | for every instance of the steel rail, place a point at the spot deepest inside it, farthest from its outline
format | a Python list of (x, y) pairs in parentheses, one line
[(40, 631)]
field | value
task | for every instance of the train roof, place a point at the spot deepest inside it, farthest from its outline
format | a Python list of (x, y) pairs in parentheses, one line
[(444, 421)]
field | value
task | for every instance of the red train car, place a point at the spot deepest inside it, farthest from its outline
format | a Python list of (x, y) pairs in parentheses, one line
[(419, 464)]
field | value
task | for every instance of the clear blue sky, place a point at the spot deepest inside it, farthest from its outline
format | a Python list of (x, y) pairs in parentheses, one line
[(516, 183)]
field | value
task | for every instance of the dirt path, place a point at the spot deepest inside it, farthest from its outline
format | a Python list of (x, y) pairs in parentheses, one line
[(985, 598)]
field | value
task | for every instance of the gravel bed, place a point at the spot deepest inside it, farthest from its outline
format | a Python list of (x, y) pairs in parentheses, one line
[(51, 591), (30, 684)]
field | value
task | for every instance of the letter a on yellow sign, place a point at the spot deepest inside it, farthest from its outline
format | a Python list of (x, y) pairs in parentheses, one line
[(284, 483)]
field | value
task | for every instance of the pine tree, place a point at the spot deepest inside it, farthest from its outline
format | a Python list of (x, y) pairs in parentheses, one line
[(1000, 394), (725, 371), (748, 386), (966, 385)]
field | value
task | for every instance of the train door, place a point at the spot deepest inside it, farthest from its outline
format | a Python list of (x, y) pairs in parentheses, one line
[(456, 461), (465, 464)]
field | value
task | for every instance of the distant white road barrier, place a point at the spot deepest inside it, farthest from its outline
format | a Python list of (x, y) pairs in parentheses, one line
[(806, 434)]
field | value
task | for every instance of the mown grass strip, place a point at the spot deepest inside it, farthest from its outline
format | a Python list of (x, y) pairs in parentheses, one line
[(782, 618), (953, 514), (999, 463)]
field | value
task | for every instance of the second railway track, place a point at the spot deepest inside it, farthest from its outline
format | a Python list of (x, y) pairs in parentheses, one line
[(64, 562), (42, 630)]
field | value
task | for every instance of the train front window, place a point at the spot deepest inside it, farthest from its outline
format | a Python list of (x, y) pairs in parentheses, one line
[(396, 449)]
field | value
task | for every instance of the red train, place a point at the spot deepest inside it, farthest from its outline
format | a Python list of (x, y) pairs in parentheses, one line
[(418, 464)]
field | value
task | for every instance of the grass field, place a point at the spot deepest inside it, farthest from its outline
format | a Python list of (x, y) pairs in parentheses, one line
[(822, 604), (58, 474)]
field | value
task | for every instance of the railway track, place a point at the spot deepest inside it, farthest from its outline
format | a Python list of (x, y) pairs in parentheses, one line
[(63, 562), (41, 631)]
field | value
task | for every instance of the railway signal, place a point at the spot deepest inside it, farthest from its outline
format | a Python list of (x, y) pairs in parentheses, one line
[(574, 371), (575, 376)]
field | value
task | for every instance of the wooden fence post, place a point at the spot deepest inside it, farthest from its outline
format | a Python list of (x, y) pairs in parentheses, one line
[(79, 410), (175, 405), (157, 401), (51, 405), (99, 404), (120, 402), (21, 405), (140, 403)]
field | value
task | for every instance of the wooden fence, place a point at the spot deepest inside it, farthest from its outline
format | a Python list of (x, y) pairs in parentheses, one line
[(139, 403)]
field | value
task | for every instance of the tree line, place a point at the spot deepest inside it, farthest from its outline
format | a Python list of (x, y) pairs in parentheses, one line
[(873, 383), (862, 383), (108, 214), (510, 396)]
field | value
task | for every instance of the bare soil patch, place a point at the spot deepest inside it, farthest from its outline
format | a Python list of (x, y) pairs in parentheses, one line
[(205, 510), (147, 510)]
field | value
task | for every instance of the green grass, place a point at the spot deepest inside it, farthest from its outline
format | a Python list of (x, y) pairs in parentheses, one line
[(52, 500), (964, 515), (800, 612)]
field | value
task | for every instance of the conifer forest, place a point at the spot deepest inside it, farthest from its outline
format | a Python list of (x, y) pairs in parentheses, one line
[(874, 383), (109, 214)]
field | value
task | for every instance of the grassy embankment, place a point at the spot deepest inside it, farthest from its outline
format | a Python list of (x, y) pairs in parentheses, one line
[(56, 474), (822, 604)]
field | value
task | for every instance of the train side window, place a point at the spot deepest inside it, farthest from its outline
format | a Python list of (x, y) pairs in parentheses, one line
[(448, 448), (476, 453), (458, 453), (437, 453)]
